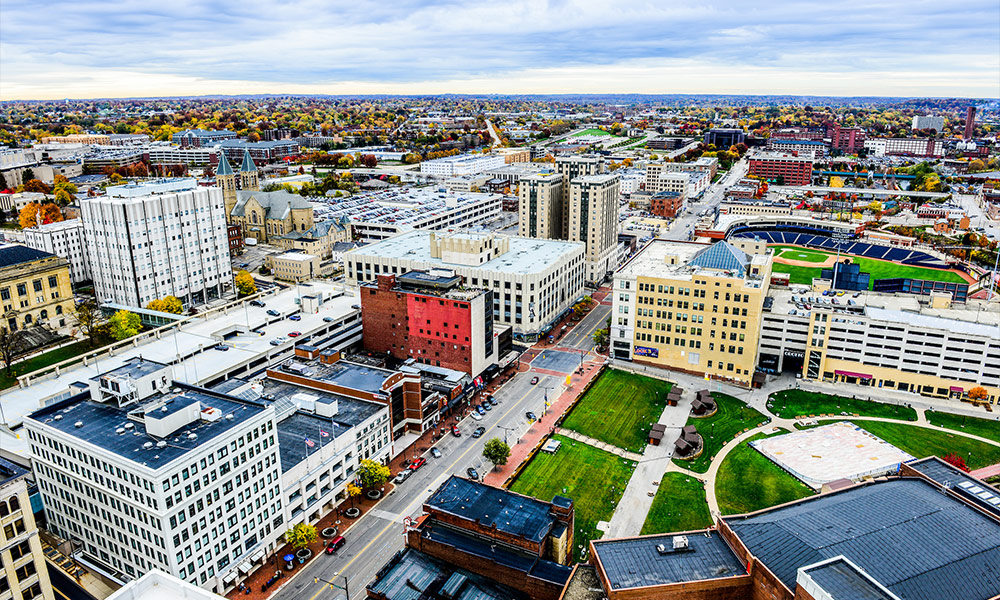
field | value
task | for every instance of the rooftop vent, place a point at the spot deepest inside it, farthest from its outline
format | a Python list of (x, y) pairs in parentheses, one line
[(128, 425), (147, 445), (57, 418), (161, 444), (680, 542), (194, 436), (661, 549), (78, 424), (120, 431)]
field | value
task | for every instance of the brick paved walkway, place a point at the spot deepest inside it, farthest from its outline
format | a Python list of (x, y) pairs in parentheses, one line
[(599, 444), (985, 472)]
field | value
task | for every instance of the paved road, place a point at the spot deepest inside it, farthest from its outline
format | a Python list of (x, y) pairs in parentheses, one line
[(582, 335), (379, 533), (683, 226), (64, 587)]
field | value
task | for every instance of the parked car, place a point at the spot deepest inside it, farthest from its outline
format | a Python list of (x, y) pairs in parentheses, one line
[(480, 410), (402, 476), (435, 453), (278, 341), (491, 400), (294, 334), (476, 416), (273, 312), (335, 544), (479, 431), (487, 406), (257, 303), (294, 318), (356, 306), (472, 473), (222, 347), (417, 464), (328, 319), (534, 380), (531, 416)]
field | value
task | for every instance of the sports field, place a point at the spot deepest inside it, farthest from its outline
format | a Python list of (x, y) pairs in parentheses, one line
[(619, 408), (591, 132), (879, 269), (592, 478)]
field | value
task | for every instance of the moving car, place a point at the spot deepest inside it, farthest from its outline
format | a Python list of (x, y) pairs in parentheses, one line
[(531, 416), (273, 312), (294, 318), (534, 380), (257, 303), (335, 544), (294, 334), (472, 473), (479, 431), (402, 476), (417, 464), (435, 453), (455, 432)]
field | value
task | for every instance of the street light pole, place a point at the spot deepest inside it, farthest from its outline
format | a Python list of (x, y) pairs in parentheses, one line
[(332, 584)]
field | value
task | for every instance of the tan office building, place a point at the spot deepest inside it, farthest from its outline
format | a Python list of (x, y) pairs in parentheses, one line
[(23, 574), (540, 199), (294, 266), (691, 307), (592, 218), (35, 288)]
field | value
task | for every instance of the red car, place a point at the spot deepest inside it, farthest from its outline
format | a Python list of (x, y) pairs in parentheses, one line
[(294, 334), (417, 464), (335, 544), (455, 432)]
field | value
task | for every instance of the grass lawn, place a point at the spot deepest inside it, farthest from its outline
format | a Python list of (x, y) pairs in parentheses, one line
[(679, 505), (591, 132), (593, 478), (925, 442), (981, 427), (41, 360), (619, 408), (879, 269), (732, 417), (797, 274), (789, 404), (747, 481), (804, 255)]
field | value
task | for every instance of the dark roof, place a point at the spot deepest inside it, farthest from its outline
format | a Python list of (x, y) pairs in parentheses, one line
[(299, 427), (136, 368), (9, 471), (411, 575), (511, 513), (635, 562), (350, 375), (224, 168), (842, 581), (914, 540), (16, 254), (968, 487)]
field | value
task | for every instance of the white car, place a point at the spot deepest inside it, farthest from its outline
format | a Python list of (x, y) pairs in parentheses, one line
[(476, 416)]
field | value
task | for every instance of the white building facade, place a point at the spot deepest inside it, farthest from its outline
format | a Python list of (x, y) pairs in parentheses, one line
[(149, 241), (64, 239), (466, 164)]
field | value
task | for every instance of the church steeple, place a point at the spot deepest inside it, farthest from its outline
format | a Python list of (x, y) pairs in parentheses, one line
[(225, 178), (249, 177)]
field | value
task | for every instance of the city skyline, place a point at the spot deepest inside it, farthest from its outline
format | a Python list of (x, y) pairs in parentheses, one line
[(88, 50)]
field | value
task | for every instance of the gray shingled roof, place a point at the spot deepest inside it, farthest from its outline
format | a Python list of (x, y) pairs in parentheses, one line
[(16, 254), (906, 534), (276, 204)]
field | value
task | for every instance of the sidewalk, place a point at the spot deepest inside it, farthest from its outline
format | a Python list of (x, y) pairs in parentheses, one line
[(599, 444)]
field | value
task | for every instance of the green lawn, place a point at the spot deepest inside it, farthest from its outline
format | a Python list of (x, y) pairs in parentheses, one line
[(591, 132), (748, 481), (679, 505), (921, 442), (592, 478), (619, 408), (797, 275), (879, 269), (732, 417), (804, 255), (986, 428), (789, 404), (40, 361)]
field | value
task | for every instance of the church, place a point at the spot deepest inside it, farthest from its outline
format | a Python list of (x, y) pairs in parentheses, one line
[(264, 216)]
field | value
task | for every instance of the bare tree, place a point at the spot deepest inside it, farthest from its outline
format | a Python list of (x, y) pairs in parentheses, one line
[(89, 317), (12, 344)]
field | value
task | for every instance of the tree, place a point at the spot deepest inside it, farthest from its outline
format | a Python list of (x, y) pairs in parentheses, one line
[(49, 213), (352, 491), (601, 337), (27, 175), (3, 182), (170, 304), (496, 452), (244, 283), (124, 324), (88, 317), (978, 393), (12, 344), (28, 217), (301, 535), (36, 185), (957, 461), (372, 474)]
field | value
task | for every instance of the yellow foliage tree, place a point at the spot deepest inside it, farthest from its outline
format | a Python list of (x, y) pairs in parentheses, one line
[(29, 215), (170, 304), (49, 213), (978, 393), (836, 182), (245, 285)]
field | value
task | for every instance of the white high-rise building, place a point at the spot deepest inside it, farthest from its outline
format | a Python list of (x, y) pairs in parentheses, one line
[(162, 238), (64, 239), (927, 122)]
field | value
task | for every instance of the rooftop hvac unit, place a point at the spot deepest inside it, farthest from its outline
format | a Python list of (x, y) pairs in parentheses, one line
[(680, 542)]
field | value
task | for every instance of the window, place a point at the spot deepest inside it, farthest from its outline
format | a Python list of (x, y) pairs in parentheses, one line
[(37, 285)]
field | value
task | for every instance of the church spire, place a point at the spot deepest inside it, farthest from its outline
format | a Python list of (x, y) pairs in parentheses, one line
[(248, 164)]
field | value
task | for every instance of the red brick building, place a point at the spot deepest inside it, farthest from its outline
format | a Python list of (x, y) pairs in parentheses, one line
[(236, 242), (782, 169), (666, 204), (848, 139), (431, 318)]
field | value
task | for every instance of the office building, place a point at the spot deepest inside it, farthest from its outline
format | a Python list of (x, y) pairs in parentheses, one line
[(659, 178), (724, 139), (64, 239), (261, 153), (666, 205), (294, 266), (846, 139), (201, 137), (465, 164), (804, 148), (145, 473), (23, 572), (707, 164), (572, 166), (432, 318), (511, 174), (782, 169), (540, 206), (927, 122), (938, 349), (161, 238), (162, 153), (923, 147), (534, 282), (95, 139), (35, 288), (691, 307), (591, 216), (799, 133), (970, 123)]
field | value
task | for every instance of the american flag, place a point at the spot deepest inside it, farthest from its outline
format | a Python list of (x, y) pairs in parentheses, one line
[(323, 433), (310, 443)]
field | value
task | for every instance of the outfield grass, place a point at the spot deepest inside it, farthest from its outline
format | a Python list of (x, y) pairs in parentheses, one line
[(879, 269), (591, 132), (679, 505), (921, 442), (732, 417), (592, 478), (986, 428), (803, 255), (797, 274), (789, 404), (748, 481), (619, 408), (40, 361)]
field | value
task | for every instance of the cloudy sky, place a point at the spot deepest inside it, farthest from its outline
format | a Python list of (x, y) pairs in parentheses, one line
[(86, 49)]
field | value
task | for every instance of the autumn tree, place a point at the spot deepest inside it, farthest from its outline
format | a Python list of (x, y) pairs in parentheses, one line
[(12, 344), (37, 186), (245, 285), (496, 452), (956, 461), (372, 474), (301, 535), (49, 213), (124, 324), (89, 318), (978, 394), (170, 304), (28, 217)]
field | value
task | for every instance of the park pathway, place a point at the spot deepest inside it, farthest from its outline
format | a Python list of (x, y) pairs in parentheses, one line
[(599, 444)]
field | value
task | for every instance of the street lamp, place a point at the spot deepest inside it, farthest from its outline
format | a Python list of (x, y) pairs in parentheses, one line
[(332, 584)]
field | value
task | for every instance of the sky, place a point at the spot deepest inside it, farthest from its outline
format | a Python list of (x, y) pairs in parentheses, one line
[(85, 49)]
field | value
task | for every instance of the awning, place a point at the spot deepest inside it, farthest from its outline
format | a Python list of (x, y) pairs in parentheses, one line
[(957, 388), (257, 555), (229, 578), (852, 374), (245, 568)]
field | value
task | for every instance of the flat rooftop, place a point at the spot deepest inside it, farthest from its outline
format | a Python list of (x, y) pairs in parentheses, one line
[(412, 575), (526, 255), (10, 471), (636, 562), (510, 513), (982, 494), (904, 533), (351, 412), (841, 579), (650, 261), (136, 368), (109, 427), (347, 374), (400, 207), (295, 430)]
